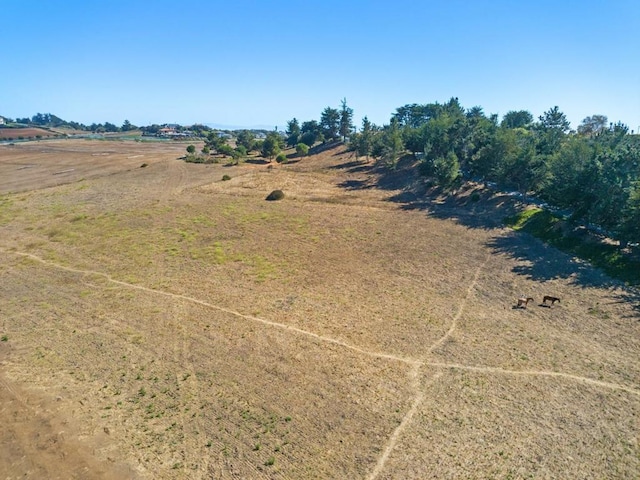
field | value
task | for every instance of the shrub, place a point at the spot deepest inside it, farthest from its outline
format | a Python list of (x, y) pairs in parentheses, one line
[(225, 178), (144, 165), (275, 195), (281, 158), (302, 149), (225, 150)]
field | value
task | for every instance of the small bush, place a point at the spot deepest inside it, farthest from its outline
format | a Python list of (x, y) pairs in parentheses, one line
[(194, 159), (281, 158), (225, 178), (302, 149), (144, 165), (275, 195)]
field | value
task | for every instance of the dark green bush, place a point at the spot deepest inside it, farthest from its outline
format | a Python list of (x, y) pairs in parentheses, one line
[(275, 195)]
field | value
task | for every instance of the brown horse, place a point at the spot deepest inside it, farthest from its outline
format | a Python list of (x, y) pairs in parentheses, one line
[(523, 302), (551, 299)]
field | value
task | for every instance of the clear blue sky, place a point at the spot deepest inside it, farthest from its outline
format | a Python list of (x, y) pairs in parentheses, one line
[(261, 63)]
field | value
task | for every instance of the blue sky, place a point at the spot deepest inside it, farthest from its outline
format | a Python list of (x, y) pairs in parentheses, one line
[(256, 63)]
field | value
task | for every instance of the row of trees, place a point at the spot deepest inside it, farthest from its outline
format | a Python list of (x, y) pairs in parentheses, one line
[(593, 173), (334, 124), (52, 121)]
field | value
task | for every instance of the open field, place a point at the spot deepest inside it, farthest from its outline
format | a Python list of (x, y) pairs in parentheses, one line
[(161, 323), (27, 132)]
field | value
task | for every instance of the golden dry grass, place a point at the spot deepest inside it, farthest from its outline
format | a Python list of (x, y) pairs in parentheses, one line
[(162, 323)]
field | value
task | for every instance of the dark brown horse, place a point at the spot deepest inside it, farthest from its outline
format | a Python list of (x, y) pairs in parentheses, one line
[(550, 299)]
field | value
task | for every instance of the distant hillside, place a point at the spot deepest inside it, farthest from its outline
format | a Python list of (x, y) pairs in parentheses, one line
[(20, 133)]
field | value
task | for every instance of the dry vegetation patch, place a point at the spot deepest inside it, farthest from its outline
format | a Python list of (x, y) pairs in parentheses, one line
[(181, 326)]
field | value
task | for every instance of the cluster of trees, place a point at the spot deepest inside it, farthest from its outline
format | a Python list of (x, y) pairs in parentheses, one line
[(593, 173), (48, 120), (334, 124)]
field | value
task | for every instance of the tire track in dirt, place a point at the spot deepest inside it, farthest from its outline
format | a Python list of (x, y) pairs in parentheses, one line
[(176, 174), (415, 377), (417, 401), (463, 304)]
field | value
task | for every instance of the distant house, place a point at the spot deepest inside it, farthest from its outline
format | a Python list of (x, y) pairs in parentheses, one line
[(167, 131), (1, 120)]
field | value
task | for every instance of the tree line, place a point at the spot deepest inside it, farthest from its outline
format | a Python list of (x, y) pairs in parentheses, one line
[(592, 173)]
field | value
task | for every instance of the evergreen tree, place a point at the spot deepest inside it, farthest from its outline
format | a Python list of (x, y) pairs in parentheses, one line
[(330, 123), (293, 132), (346, 120)]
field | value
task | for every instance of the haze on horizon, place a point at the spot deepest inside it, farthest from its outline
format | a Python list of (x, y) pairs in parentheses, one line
[(248, 64)]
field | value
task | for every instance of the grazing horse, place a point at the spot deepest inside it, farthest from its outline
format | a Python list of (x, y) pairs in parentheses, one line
[(523, 302), (551, 299)]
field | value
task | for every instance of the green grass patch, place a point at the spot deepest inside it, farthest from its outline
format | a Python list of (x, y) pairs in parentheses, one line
[(7, 212), (549, 228)]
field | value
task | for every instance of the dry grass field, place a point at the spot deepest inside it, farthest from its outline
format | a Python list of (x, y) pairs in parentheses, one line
[(160, 323), (27, 132)]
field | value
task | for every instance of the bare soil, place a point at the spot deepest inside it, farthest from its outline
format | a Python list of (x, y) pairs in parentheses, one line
[(158, 322)]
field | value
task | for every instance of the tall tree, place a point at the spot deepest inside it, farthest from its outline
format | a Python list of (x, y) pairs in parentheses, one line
[(593, 125), (392, 144), (552, 130), (346, 120), (572, 177), (311, 133), (127, 126), (272, 145), (446, 169), (414, 115), (330, 123), (517, 119), (246, 139), (293, 132), (629, 229), (362, 142)]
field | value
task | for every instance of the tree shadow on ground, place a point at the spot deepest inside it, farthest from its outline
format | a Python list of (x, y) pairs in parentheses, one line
[(257, 161), (477, 207), (631, 297), (538, 261)]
